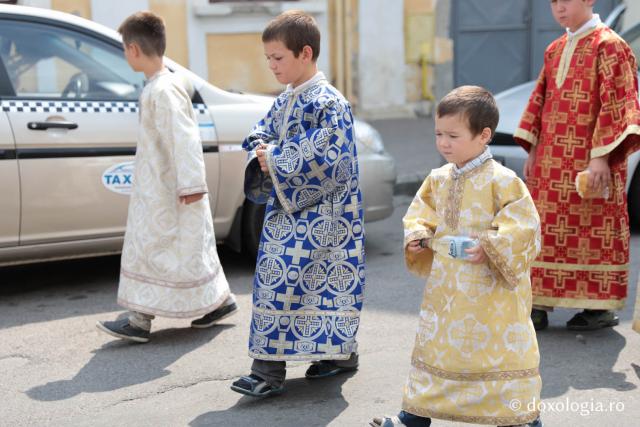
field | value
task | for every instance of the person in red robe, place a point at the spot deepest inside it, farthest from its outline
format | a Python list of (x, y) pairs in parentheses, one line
[(582, 115)]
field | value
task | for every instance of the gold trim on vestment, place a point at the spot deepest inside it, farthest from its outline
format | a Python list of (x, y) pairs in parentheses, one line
[(589, 304), (188, 191), (606, 149), (475, 376), (417, 235), (176, 315), (170, 284), (456, 193), (335, 313), (567, 54), (579, 267), (454, 200), (476, 419), (510, 279), (300, 357), (526, 135), (636, 325), (271, 166)]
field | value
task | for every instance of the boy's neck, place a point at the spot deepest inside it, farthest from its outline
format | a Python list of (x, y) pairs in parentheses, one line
[(306, 76), (151, 68), (587, 19)]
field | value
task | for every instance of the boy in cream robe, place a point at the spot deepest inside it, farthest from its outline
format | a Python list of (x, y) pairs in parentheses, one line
[(476, 356), (169, 265)]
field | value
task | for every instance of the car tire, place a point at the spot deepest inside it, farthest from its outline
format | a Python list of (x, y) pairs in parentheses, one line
[(252, 220), (633, 199)]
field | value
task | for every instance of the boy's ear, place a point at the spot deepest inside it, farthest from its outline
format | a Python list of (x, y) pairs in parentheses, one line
[(134, 48), (486, 135), (307, 52)]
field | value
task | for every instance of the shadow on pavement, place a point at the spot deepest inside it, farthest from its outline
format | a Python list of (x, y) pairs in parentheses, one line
[(582, 361), (320, 400), (119, 364)]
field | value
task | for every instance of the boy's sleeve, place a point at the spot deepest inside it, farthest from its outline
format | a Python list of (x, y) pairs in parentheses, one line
[(528, 131), (618, 121), (312, 165), (263, 131), (513, 242), (176, 121), (420, 222), (258, 184)]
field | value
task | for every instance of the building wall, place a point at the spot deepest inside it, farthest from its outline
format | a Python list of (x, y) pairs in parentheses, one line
[(381, 62), (390, 58), (225, 42)]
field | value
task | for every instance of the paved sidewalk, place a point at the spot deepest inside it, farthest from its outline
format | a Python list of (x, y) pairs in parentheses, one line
[(411, 142)]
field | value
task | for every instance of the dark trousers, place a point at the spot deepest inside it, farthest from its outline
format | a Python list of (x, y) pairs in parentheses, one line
[(274, 372), (411, 420)]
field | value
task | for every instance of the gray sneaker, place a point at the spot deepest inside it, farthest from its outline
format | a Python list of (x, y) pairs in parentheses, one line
[(123, 329), (215, 316)]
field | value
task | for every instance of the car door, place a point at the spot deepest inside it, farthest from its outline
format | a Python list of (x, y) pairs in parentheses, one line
[(10, 183), (74, 117)]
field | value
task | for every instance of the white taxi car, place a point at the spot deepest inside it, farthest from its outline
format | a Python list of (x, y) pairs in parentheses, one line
[(68, 119)]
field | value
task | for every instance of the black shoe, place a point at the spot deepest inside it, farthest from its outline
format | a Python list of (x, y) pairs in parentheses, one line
[(253, 385), (215, 316), (123, 329), (590, 320), (536, 423), (539, 319)]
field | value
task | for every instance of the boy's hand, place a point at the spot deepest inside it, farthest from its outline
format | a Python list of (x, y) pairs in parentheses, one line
[(191, 198), (261, 152), (599, 174), (528, 164), (477, 255), (414, 246)]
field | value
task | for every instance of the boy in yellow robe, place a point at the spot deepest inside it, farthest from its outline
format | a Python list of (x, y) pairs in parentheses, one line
[(474, 231)]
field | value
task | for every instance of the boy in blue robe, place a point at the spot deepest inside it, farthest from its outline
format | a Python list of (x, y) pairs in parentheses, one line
[(309, 280)]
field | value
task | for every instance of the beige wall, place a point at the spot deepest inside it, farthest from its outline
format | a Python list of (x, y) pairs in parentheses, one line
[(419, 33), (237, 62), (343, 46), (174, 13), (77, 7)]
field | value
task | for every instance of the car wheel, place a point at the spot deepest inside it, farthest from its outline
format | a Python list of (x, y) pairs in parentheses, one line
[(633, 199), (252, 219)]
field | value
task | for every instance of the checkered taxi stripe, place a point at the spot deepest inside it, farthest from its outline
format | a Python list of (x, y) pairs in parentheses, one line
[(78, 107)]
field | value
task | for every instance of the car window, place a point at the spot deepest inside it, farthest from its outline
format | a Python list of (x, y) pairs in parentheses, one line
[(49, 62)]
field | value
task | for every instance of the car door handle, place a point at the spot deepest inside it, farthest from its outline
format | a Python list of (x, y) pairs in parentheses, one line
[(51, 125)]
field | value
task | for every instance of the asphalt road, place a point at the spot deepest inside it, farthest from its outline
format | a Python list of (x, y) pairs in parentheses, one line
[(57, 369)]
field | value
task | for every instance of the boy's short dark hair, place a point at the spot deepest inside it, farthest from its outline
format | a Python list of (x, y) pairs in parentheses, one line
[(476, 104), (296, 30), (147, 30)]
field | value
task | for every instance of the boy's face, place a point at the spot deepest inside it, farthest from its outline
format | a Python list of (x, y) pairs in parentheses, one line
[(285, 66), (572, 14), (456, 143)]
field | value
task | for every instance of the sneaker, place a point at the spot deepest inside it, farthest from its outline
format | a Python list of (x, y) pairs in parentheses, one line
[(215, 316), (123, 329)]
